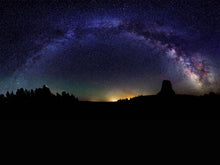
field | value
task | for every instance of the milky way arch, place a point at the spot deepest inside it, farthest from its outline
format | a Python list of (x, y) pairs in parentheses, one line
[(169, 41)]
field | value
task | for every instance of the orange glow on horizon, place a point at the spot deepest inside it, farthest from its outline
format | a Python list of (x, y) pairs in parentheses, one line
[(117, 94), (116, 98)]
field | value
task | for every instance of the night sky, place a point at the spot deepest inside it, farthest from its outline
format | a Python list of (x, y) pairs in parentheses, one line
[(107, 50)]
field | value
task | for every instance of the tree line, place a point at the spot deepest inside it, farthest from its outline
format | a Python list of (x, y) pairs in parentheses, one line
[(43, 94)]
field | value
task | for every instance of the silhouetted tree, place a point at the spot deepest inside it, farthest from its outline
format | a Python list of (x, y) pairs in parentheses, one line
[(2, 98), (58, 95), (64, 94), (20, 93), (7, 94), (12, 94), (32, 94)]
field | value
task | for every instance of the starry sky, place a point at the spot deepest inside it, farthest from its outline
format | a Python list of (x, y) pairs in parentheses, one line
[(104, 50)]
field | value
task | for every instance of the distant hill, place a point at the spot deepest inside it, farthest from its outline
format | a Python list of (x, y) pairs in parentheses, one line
[(42, 104)]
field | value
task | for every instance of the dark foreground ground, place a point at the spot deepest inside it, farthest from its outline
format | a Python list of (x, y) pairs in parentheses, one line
[(180, 107), (145, 130)]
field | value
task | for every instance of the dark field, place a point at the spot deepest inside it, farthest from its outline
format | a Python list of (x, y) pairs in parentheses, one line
[(51, 129), (140, 108)]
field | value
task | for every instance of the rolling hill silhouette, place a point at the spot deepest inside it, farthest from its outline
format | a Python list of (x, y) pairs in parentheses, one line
[(42, 104), (159, 129)]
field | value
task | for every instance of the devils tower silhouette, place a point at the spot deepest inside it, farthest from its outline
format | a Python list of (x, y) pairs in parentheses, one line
[(166, 89)]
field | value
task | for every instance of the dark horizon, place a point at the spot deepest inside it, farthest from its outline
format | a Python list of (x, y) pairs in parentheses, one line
[(42, 104), (28, 92)]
